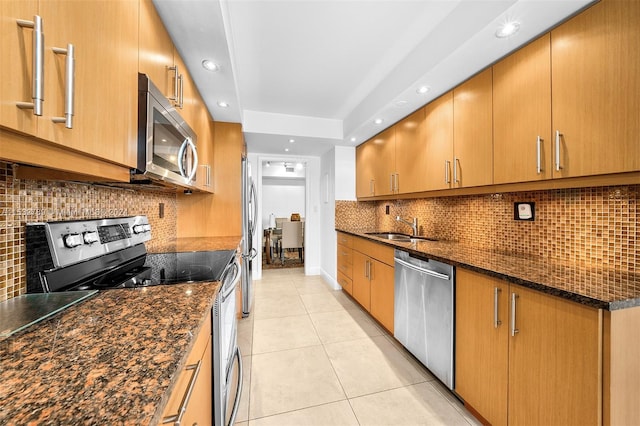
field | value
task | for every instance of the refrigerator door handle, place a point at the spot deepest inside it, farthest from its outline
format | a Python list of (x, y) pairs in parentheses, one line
[(254, 215)]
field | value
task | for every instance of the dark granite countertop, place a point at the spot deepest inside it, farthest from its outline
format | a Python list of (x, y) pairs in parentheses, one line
[(597, 287), (112, 359)]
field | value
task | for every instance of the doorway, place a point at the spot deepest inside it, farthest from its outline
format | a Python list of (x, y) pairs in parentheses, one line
[(283, 217)]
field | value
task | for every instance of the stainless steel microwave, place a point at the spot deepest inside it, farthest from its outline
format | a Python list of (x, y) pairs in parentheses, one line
[(166, 144)]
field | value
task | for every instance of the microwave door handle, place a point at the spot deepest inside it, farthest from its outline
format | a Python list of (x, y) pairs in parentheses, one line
[(194, 166), (181, 167)]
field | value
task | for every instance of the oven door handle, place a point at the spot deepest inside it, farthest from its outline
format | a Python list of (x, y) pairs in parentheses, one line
[(236, 402), (228, 291)]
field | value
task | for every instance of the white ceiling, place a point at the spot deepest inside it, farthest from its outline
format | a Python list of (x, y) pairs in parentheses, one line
[(320, 72)]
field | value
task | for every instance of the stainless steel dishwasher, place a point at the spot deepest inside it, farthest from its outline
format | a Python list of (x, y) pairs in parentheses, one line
[(424, 309)]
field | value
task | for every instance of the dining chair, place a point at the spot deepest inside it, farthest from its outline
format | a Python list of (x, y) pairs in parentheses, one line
[(292, 237)]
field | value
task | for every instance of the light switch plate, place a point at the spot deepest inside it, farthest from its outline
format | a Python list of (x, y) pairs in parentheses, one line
[(524, 211)]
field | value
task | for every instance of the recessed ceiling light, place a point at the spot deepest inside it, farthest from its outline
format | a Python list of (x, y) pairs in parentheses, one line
[(286, 150), (292, 140), (223, 104), (353, 139), (422, 90), (378, 121), (508, 29), (209, 65)]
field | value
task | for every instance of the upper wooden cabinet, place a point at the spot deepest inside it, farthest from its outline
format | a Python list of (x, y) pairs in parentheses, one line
[(100, 40), (472, 132), (376, 164), (522, 114), (439, 143), (410, 154), (595, 87), (156, 52)]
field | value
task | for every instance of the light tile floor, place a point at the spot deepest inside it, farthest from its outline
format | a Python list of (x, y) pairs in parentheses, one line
[(312, 356)]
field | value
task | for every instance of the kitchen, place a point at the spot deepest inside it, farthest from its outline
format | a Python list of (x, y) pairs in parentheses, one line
[(587, 221)]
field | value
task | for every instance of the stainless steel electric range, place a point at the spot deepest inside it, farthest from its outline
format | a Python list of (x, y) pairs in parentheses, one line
[(109, 254)]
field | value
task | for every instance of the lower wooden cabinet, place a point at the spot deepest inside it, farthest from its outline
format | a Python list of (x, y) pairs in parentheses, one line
[(197, 374), (345, 262), (540, 366), (373, 279)]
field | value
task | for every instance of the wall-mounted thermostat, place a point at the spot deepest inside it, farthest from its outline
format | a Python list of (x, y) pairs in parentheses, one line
[(524, 211)]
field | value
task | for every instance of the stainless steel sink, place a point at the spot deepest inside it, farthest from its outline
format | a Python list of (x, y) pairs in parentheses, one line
[(400, 238)]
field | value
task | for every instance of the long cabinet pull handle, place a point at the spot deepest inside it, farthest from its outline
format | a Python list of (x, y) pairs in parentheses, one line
[(37, 84), (397, 182), (391, 183), (70, 83), (372, 187), (456, 165), (181, 91), (558, 136), (447, 179), (176, 73), (176, 419), (496, 319), (514, 330), (539, 155)]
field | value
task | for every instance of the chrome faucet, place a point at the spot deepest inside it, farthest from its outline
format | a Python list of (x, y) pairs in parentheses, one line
[(413, 225)]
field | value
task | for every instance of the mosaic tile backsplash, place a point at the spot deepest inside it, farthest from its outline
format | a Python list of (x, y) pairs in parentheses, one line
[(582, 227), (23, 201)]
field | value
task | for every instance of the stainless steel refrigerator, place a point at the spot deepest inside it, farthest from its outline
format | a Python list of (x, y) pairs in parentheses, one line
[(249, 212)]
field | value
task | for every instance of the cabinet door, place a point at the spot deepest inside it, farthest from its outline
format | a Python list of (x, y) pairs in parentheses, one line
[(16, 72), (595, 87), (439, 142), (522, 114), (554, 361), (472, 132), (382, 277), (361, 283), (105, 39), (200, 408), (411, 155), (156, 49), (384, 163), (481, 344), (364, 170)]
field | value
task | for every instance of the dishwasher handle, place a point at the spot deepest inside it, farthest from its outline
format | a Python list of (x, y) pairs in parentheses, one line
[(422, 270)]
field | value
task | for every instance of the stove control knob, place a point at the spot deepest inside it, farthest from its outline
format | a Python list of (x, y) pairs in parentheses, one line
[(141, 229), (72, 240), (90, 237)]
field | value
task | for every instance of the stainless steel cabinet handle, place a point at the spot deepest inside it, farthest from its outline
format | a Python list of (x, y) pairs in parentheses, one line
[(496, 319), (70, 83), (456, 163), (447, 178), (207, 175), (176, 72), (177, 418), (397, 186), (391, 183), (514, 330), (372, 187), (181, 94), (539, 155), (37, 84), (558, 135)]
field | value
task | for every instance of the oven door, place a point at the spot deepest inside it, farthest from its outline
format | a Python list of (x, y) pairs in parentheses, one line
[(227, 360)]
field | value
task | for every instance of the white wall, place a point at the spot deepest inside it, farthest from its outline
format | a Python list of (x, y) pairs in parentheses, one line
[(337, 170), (282, 199)]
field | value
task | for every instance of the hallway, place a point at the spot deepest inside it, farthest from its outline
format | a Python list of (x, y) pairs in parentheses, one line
[(314, 357)]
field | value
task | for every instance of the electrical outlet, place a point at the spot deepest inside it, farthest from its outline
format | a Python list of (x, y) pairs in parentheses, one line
[(524, 211), (387, 209), (161, 210)]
